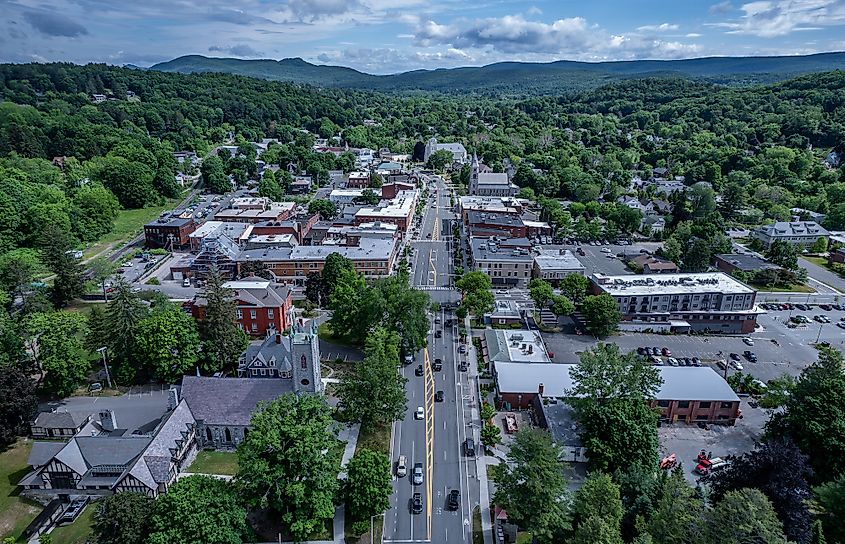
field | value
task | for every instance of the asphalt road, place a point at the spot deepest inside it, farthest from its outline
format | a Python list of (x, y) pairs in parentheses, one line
[(436, 441)]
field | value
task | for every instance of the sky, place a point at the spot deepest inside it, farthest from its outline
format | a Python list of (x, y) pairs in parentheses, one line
[(388, 36)]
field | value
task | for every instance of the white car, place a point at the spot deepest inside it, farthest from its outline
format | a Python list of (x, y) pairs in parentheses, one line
[(737, 365), (605, 250), (420, 413), (748, 341)]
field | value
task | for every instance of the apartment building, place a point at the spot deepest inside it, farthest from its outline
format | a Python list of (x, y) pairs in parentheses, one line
[(508, 262), (706, 302)]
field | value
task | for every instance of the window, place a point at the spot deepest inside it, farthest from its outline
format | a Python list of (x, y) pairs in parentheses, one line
[(701, 417), (252, 314), (727, 404), (254, 327), (208, 434), (663, 403), (270, 313), (303, 362), (228, 435), (683, 404), (705, 404), (240, 314)]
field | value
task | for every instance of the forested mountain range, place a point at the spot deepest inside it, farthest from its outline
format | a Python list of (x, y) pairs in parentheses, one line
[(517, 77)]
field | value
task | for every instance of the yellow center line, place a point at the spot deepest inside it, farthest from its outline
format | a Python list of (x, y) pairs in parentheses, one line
[(429, 437)]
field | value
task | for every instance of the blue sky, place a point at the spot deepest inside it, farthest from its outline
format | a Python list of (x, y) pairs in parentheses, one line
[(386, 36)]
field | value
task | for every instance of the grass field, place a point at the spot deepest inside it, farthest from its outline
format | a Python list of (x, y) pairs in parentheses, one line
[(215, 462), (127, 224), (796, 288), (77, 532), (15, 513), (325, 332), (374, 437)]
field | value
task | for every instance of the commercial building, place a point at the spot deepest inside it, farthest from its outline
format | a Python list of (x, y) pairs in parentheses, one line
[(169, 231), (508, 262), (797, 233), (553, 266), (372, 258), (256, 210), (687, 394), (706, 302), (398, 211), (514, 346), (237, 232), (358, 180), (495, 224)]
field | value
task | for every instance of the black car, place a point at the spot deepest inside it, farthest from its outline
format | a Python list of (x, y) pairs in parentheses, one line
[(454, 500), (419, 370), (655, 351), (642, 351), (463, 366), (750, 355), (438, 396), (416, 504), (438, 333), (437, 365), (734, 357), (687, 361)]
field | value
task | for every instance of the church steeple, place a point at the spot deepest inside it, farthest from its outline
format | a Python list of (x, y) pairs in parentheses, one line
[(473, 175)]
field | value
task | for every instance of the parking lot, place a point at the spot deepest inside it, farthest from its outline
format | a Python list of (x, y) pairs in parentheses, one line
[(595, 260), (686, 441)]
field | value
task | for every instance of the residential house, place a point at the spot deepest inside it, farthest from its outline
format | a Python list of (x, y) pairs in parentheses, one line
[(744, 262), (263, 307), (650, 264)]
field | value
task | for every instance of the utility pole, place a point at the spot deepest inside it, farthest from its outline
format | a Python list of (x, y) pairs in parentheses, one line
[(102, 351)]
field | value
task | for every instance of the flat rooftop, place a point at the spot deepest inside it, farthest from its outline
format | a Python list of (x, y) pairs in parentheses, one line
[(664, 284), (231, 229), (401, 206), (679, 383), (483, 249), (370, 249), (522, 346), (558, 260)]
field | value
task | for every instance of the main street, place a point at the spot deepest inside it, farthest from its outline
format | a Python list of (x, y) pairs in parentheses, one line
[(437, 441)]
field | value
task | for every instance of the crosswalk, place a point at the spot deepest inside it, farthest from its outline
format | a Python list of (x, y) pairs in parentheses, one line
[(431, 288)]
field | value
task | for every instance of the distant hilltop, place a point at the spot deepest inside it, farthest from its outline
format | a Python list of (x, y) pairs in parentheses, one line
[(517, 77)]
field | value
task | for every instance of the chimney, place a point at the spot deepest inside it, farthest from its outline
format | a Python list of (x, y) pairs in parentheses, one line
[(540, 389), (107, 420), (278, 338), (172, 398)]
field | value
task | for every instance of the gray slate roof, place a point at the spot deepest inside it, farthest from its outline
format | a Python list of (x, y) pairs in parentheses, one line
[(229, 401), (154, 466), (43, 451), (268, 354), (60, 420)]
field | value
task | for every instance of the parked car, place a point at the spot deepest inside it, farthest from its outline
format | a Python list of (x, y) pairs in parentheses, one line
[(76, 506), (438, 333), (687, 361), (672, 361), (186, 282), (841, 324), (463, 348), (462, 366), (696, 361), (826, 307), (734, 357), (748, 341), (737, 365), (469, 447), (666, 352), (642, 351), (655, 351), (750, 355)]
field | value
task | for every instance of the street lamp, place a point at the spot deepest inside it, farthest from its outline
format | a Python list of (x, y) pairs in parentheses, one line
[(102, 351)]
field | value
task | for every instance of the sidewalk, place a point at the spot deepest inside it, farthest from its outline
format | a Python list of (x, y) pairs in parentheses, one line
[(480, 461)]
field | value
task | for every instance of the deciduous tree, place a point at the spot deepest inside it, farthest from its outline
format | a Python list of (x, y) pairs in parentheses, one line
[(742, 516), (56, 340), (288, 462), (602, 314), (199, 509), (123, 518), (18, 402), (167, 343), (368, 484), (532, 487)]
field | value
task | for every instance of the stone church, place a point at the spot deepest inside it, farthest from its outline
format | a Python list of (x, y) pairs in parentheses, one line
[(223, 407)]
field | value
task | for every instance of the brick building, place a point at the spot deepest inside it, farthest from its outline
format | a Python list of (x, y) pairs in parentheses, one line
[(169, 231), (264, 307)]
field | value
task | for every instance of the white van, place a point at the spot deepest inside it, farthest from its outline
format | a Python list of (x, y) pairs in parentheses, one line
[(401, 467)]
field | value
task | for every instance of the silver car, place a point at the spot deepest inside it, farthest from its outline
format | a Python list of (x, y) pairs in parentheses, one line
[(418, 474)]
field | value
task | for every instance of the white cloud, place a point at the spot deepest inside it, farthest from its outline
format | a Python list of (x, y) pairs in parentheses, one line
[(769, 19), (692, 35), (662, 27), (573, 37), (721, 7)]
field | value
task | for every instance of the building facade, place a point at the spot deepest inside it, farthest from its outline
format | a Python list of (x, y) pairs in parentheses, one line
[(705, 302), (797, 233), (169, 231)]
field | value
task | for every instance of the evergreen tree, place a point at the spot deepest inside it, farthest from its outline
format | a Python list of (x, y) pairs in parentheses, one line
[(58, 254), (223, 340)]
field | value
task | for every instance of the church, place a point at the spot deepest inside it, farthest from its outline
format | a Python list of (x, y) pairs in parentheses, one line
[(222, 407), (486, 183)]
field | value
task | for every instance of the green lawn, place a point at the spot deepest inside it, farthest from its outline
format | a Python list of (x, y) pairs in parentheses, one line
[(374, 437), (325, 332), (821, 261), (796, 288), (15, 513), (127, 224), (215, 462), (77, 532)]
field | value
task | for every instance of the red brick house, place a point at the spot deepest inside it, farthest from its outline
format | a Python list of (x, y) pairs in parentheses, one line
[(264, 307), (169, 231)]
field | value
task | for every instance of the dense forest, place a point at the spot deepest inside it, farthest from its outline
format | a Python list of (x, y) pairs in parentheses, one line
[(517, 78)]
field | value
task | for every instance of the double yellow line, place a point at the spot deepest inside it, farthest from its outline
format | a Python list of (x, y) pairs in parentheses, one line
[(428, 376)]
